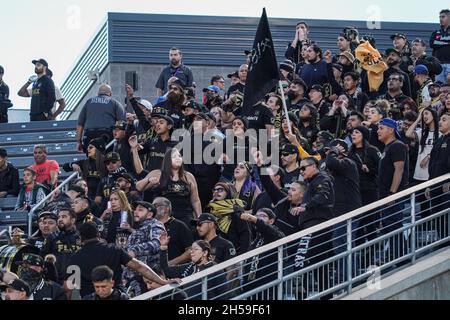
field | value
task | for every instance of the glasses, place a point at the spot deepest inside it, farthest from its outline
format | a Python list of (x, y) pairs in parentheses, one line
[(218, 190), (303, 168)]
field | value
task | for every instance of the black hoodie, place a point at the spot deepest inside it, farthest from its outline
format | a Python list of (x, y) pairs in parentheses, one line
[(9, 180)]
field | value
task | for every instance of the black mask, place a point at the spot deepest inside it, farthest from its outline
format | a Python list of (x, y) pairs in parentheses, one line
[(292, 95), (32, 277)]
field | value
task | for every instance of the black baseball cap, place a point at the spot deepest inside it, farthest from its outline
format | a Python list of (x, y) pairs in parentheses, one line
[(32, 259), (19, 285), (289, 148), (234, 74), (205, 217), (120, 124), (338, 66), (2, 71), (192, 104), (112, 156), (125, 175), (317, 87), (48, 214), (165, 117), (41, 61), (398, 35), (146, 205)]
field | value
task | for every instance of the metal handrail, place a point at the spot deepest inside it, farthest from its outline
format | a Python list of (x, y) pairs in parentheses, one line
[(110, 144), (40, 203), (352, 214)]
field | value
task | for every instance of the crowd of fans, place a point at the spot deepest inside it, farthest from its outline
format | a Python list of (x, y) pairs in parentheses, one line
[(140, 213)]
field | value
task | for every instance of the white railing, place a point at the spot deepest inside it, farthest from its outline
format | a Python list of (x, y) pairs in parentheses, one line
[(346, 256), (43, 201)]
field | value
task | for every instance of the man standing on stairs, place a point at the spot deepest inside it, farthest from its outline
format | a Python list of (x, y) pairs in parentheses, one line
[(98, 117), (42, 93)]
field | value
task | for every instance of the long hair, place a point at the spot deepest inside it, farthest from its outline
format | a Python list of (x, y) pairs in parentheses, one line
[(99, 165), (365, 146), (123, 200), (205, 247), (166, 169), (426, 128)]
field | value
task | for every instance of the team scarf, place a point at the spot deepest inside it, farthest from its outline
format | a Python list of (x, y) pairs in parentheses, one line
[(371, 61), (223, 210)]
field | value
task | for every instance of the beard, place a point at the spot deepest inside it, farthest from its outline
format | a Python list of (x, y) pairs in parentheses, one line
[(175, 98), (392, 63), (292, 95)]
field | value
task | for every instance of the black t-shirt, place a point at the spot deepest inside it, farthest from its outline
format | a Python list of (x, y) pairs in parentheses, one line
[(291, 177), (155, 149), (182, 72), (393, 152), (180, 237), (222, 249), (42, 95), (94, 254), (258, 117), (237, 87)]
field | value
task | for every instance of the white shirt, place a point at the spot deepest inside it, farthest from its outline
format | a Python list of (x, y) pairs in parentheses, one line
[(422, 173)]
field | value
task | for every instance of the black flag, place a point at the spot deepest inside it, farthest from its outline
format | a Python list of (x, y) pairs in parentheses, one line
[(263, 73)]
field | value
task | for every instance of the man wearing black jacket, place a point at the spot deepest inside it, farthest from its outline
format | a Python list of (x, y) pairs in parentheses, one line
[(9, 177), (43, 92), (316, 207), (346, 182), (262, 269), (346, 189)]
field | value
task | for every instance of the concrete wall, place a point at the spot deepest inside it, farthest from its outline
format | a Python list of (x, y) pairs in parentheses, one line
[(114, 75), (427, 279)]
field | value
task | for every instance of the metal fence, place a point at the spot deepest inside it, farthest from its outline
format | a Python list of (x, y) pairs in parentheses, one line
[(331, 259)]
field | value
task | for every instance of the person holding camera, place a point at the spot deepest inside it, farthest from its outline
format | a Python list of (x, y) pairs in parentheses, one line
[(334, 121)]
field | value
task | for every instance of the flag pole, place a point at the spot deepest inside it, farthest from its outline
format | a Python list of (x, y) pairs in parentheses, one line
[(285, 106)]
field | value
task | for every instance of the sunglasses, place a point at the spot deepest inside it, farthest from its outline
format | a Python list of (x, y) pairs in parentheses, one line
[(303, 168), (286, 154), (218, 190)]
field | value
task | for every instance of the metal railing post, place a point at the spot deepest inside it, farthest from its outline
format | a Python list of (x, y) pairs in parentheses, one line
[(280, 273), (40, 203), (413, 227), (349, 256), (205, 288)]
